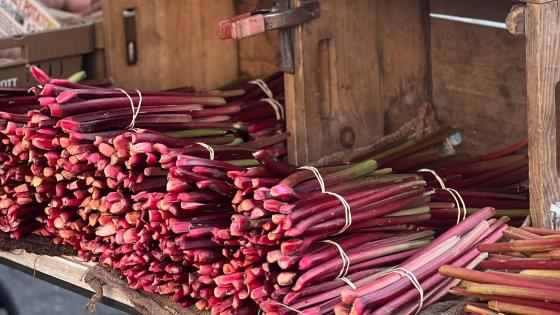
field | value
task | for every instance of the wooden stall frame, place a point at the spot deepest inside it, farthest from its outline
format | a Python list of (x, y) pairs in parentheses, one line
[(66, 272), (539, 20)]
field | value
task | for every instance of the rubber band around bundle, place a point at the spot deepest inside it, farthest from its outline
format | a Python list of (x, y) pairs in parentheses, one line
[(405, 273), (264, 87), (278, 109), (207, 147), (135, 109), (345, 260)]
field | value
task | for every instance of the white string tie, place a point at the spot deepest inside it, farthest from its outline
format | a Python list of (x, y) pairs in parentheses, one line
[(438, 178), (278, 109), (345, 260), (345, 204), (288, 307), (135, 109), (209, 148), (264, 87), (404, 272), (317, 175), (459, 201), (347, 211), (348, 282)]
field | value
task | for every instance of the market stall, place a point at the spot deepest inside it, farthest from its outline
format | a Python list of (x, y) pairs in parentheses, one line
[(315, 157)]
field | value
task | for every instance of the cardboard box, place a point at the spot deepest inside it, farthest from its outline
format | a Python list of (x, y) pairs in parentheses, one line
[(25, 16), (60, 52)]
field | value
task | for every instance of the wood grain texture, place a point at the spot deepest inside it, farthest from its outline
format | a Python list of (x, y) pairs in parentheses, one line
[(333, 99), (478, 78), (65, 269), (542, 29), (177, 44), (405, 69), (258, 55)]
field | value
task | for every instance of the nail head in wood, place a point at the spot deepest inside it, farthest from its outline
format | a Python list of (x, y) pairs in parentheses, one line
[(347, 137)]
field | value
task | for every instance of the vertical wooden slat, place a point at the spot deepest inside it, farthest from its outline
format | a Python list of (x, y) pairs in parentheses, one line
[(333, 99), (542, 29), (404, 45)]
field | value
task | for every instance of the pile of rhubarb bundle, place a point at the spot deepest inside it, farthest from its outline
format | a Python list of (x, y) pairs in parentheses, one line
[(185, 194), (521, 276), (497, 179), (294, 243), (124, 177), (20, 212), (416, 283)]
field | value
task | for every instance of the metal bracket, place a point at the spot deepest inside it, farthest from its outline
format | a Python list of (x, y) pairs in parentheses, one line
[(282, 17)]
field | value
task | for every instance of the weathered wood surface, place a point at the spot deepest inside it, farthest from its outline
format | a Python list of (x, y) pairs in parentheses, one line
[(177, 44), (542, 30), (65, 269), (333, 99), (478, 79), (405, 68)]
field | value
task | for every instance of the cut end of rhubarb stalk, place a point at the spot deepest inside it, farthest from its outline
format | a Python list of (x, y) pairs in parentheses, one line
[(40, 75)]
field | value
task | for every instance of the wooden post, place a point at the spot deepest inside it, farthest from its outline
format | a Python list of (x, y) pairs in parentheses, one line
[(333, 99), (542, 29)]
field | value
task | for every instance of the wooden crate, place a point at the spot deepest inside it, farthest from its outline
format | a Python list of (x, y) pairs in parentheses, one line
[(363, 67), (175, 44)]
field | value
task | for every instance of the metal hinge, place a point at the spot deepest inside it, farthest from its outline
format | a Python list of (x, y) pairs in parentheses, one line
[(282, 17)]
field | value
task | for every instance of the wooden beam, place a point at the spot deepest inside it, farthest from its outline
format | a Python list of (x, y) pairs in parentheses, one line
[(333, 99), (65, 269), (542, 29)]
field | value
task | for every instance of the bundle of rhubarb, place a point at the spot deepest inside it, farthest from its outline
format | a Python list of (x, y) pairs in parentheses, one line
[(20, 213), (80, 143), (521, 276), (415, 284), (292, 240), (496, 179), (144, 201)]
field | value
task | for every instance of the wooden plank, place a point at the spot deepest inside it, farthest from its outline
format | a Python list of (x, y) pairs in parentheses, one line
[(494, 10), (478, 78), (65, 269), (542, 30), (333, 99), (177, 44), (405, 70), (259, 55)]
